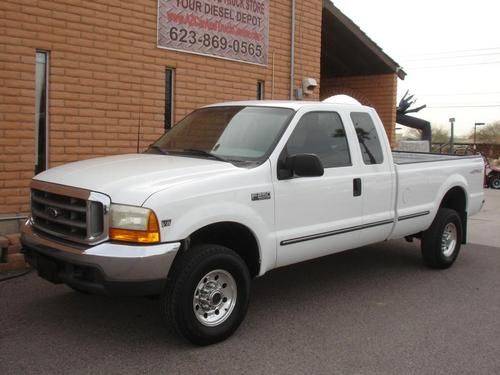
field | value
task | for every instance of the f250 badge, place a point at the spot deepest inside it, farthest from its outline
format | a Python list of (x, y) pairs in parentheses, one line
[(261, 196)]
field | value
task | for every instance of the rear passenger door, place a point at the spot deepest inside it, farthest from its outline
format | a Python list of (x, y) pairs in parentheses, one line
[(315, 216)]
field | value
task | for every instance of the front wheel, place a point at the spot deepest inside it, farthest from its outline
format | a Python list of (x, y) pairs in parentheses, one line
[(495, 181), (440, 243), (207, 296)]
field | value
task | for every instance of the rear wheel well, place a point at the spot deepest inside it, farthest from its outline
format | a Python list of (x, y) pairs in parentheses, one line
[(234, 236), (455, 199)]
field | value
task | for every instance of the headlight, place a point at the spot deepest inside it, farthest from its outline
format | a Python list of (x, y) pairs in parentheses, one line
[(133, 224)]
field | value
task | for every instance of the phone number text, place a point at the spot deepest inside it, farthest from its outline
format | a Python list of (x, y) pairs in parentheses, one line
[(215, 41)]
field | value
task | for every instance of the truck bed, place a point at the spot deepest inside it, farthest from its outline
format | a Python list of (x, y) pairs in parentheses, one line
[(423, 178), (405, 157)]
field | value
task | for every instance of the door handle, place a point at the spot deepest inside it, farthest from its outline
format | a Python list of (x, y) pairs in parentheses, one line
[(356, 187)]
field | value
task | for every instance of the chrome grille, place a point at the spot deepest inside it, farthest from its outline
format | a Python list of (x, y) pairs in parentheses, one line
[(70, 214)]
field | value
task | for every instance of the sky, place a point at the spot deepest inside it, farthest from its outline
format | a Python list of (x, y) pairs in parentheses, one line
[(450, 51)]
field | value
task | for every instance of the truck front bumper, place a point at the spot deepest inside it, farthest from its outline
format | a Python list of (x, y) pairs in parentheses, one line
[(106, 268)]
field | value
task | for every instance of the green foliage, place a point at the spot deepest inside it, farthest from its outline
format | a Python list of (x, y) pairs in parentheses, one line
[(440, 135)]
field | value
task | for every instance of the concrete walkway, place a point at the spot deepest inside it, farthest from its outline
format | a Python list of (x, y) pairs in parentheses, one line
[(484, 227)]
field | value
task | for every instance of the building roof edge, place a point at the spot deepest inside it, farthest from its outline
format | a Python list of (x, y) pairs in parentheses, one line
[(365, 39)]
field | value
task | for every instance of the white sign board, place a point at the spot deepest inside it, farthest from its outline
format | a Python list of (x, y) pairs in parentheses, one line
[(229, 29)]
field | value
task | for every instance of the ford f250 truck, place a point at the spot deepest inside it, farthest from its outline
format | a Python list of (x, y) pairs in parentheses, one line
[(233, 191)]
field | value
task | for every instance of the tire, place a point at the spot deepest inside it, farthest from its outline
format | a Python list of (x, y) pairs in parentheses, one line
[(207, 295), (495, 181), (440, 243)]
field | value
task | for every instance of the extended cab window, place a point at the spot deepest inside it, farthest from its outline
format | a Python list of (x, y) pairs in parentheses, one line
[(368, 139), (323, 134)]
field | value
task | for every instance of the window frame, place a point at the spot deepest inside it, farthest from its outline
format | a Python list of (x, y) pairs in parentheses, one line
[(169, 102), (37, 167), (261, 84)]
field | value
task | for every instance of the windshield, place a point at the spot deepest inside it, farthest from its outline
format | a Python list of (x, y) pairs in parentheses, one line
[(233, 133)]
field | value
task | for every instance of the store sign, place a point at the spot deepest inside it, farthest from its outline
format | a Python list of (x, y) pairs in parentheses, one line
[(230, 29)]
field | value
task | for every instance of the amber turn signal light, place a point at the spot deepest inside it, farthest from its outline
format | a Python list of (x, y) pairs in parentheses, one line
[(133, 224)]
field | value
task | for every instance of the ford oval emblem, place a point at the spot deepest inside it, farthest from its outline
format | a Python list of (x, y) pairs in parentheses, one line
[(52, 212)]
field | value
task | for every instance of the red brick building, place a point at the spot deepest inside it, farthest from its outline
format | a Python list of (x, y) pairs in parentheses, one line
[(86, 78)]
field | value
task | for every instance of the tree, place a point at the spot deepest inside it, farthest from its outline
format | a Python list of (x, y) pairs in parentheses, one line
[(487, 134), (411, 135), (439, 134)]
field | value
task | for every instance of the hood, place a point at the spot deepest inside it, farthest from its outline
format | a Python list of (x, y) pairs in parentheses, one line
[(131, 179)]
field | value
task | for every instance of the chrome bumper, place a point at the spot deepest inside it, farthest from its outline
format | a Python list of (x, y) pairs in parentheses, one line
[(112, 263)]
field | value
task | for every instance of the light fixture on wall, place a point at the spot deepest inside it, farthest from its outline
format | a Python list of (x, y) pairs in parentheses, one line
[(307, 88), (308, 85)]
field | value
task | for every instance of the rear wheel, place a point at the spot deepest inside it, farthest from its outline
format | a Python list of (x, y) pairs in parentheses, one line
[(207, 296), (441, 242), (495, 181)]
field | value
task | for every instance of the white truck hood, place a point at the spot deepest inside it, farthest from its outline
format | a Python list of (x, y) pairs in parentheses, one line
[(131, 179)]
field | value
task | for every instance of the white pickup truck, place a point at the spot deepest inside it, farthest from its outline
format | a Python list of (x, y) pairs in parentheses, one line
[(233, 191)]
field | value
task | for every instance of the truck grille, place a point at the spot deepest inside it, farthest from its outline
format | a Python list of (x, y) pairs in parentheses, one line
[(70, 217)]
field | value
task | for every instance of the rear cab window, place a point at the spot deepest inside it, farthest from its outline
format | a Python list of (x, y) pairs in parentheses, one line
[(369, 141)]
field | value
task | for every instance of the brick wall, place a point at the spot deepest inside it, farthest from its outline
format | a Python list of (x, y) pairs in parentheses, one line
[(307, 43), (378, 91), (106, 75)]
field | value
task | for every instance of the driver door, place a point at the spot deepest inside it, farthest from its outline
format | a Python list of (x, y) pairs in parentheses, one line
[(316, 216)]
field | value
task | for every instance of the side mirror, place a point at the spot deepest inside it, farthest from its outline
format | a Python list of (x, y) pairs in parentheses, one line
[(302, 165)]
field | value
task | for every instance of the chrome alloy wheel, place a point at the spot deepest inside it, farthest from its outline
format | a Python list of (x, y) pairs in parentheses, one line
[(449, 239), (214, 298)]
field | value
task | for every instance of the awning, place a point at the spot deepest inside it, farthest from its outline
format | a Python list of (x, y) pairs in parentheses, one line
[(347, 51)]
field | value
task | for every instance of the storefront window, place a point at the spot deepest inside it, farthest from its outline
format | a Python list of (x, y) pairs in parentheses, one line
[(41, 115), (169, 98), (260, 90)]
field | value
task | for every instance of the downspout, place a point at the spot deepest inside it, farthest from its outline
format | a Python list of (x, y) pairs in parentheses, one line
[(292, 52), (272, 87)]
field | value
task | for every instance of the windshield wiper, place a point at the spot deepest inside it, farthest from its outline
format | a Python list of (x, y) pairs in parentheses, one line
[(158, 148), (201, 153)]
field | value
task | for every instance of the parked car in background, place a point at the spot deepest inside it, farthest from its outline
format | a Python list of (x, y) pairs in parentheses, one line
[(491, 175)]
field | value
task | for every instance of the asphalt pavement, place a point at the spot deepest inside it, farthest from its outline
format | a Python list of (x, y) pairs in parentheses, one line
[(484, 228), (374, 310)]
